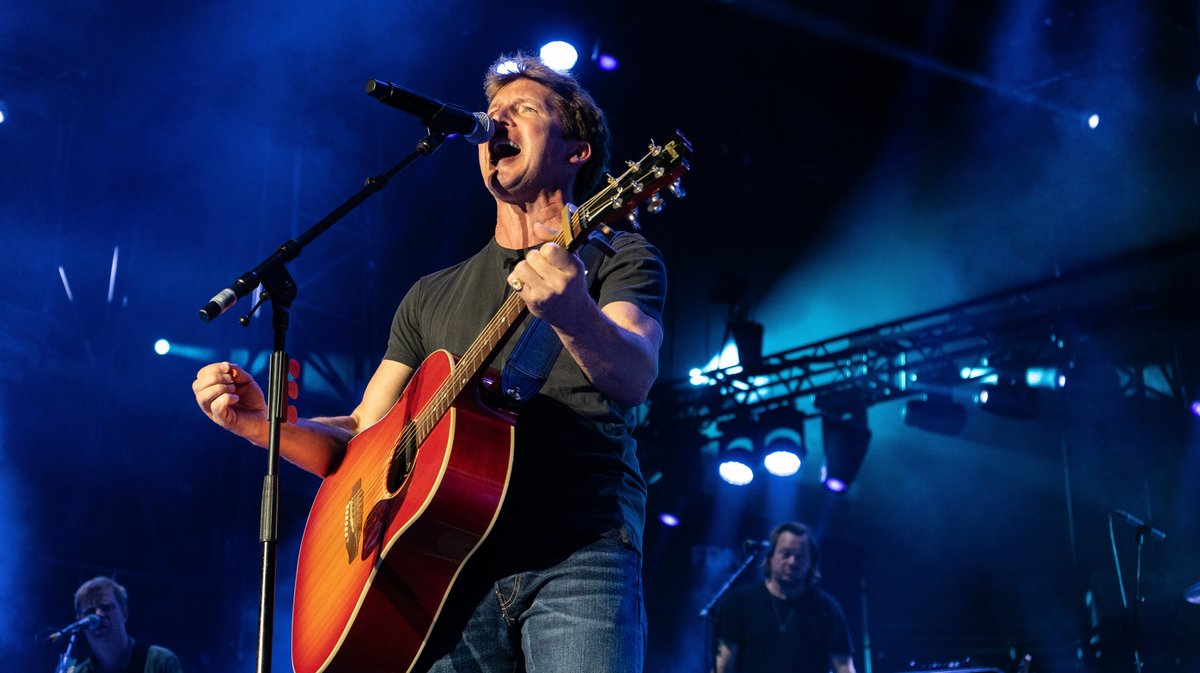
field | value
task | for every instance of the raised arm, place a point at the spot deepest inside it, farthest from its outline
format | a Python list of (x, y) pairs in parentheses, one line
[(233, 400)]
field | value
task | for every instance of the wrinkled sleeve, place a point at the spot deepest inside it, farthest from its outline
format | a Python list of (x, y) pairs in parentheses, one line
[(636, 274), (405, 344)]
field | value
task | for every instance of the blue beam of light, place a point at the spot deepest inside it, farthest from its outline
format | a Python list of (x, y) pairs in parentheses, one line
[(112, 274), (198, 353), (62, 273)]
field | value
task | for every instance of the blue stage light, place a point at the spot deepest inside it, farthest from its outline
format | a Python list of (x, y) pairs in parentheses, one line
[(668, 519), (785, 452), (846, 437), (162, 346), (1045, 377), (607, 62), (737, 456), (736, 473), (1093, 121)]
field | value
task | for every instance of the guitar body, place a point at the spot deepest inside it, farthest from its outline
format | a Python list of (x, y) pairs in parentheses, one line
[(375, 567)]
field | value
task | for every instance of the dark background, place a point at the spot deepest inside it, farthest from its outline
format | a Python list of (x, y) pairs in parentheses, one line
[(856, 162)]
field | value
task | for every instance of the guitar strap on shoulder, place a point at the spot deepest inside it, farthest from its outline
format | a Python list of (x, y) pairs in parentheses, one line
[(533, 357)]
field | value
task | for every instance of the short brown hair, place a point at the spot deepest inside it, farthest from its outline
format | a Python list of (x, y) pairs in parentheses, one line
[(582, 119), (98, 584)]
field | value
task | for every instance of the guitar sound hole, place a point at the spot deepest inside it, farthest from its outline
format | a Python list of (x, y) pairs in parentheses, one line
[(402, 459)]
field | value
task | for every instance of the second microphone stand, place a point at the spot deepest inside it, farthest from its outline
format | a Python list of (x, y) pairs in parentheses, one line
[(706, 612)]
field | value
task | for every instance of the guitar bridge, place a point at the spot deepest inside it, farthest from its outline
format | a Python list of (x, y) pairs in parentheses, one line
[(353, 522)]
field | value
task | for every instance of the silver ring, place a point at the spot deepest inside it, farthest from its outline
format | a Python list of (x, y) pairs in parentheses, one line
[(516, 285)]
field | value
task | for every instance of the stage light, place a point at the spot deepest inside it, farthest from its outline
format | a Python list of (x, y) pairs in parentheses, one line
[(1007, 398), (186, 351), (846, 437), (507, 68), (937, 413), (3, 112), (784, 462), (737, 451), (831, 483), (726, 359), (783, 440), (1195, 407), (1045, 377), (559, 55), (668, 519), (737, 462), (981, 374), (607, 62), (1093, 121)]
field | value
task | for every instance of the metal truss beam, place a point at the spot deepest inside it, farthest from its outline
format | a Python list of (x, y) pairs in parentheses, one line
[(1039, 324)]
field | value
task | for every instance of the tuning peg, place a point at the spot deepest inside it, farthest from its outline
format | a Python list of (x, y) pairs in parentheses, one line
[(632, 219), (633, 165), (609, 178), (655, 149), (677, 189), (616, 202), (655, 204), (636, 187)]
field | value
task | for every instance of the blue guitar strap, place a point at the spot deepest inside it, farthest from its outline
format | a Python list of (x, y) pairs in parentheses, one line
[(533, 357)]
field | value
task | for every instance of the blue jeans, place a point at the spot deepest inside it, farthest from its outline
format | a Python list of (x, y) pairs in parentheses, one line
[(582, 615)]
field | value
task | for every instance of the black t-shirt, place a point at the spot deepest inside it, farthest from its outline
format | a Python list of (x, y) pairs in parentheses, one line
[(777, 636), (575, 471)]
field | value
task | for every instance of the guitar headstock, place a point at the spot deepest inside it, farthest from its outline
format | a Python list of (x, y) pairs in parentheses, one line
[(662, 167)]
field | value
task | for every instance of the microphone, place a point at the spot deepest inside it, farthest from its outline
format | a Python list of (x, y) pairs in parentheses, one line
[(474, 127), (1138, 523), (82, 624)]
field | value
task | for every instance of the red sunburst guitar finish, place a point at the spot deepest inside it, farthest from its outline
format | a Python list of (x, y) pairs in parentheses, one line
[(420, 490), (375, 568)]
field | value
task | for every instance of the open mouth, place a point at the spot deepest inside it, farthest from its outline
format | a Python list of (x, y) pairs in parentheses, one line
[(503, 149)]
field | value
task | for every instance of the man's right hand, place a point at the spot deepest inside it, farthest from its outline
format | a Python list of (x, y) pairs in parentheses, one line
[(231, 398)]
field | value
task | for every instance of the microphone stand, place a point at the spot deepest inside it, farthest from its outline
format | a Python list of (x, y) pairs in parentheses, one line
[(1142, 530), (1137, 597), (65, 663), (280, 288), (706, 612)]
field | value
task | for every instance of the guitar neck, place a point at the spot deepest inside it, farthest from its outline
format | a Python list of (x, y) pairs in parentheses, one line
[(468, 367)]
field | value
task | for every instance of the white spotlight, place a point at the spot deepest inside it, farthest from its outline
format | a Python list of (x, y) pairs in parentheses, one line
[(559, 55), (1093, 121)]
